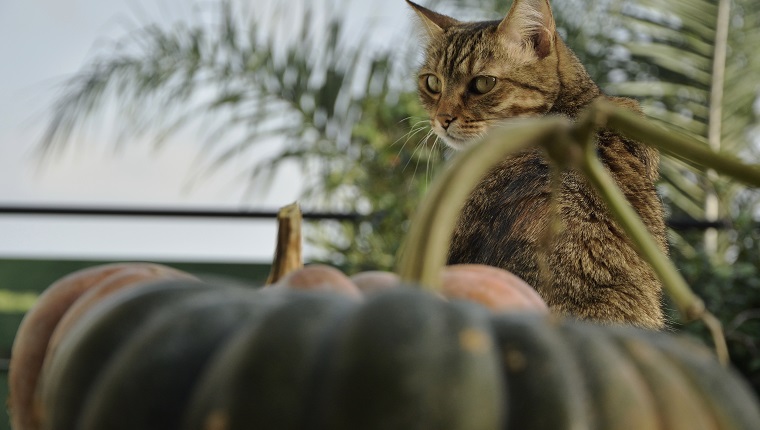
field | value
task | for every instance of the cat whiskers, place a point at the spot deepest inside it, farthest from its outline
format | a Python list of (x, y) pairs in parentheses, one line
[(422, 144), (413, 131), (418, 148), (428, 172)]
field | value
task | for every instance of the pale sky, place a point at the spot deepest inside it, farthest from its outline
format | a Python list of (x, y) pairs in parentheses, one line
[(43, 41)]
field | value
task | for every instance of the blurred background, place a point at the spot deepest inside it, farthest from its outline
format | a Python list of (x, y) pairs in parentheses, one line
[(232, 106)]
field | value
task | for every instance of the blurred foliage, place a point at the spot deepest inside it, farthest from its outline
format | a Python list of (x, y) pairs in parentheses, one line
[(11, 301), (729, 287), (670, 66), (387, 178), (671, 51), (346, 114), (228, 81)]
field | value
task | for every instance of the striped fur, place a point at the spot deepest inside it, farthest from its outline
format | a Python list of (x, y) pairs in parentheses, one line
[(589, 269)]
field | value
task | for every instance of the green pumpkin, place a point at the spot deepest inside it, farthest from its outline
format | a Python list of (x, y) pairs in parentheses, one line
[(540, 375), (328, 362), (263, 376), (94, 341), (409, 360), (728, 399), (148, 384), (401, 359), (604, 377)]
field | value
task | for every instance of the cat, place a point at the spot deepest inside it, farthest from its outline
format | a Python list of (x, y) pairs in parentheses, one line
[(475, 75)]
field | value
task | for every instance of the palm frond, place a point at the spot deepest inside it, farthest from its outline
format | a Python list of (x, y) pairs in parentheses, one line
[(679, 39)]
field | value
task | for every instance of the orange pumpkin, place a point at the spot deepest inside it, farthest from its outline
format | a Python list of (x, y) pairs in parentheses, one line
[(319, 277), (375, 280), (494, 288)]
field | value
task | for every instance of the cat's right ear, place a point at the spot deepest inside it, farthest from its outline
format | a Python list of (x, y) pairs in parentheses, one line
[(435, 23), (530, 23)]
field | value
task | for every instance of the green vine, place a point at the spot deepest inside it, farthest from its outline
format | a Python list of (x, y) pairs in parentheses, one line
[(568, 144)]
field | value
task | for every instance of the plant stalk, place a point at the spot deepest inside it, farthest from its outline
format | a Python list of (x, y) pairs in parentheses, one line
[(427, 244), (715, 120), (690, 306), (674, 143)]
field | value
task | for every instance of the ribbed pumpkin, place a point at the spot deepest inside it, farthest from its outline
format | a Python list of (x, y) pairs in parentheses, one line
[(40, 323), (399, 359), (496, 289), (70, 374), (184, 354), (318, 277), (603, 377), (403, 359), (146, 385), (263, 375)]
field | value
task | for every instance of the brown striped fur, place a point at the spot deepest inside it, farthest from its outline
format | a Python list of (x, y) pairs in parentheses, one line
[(589, 269)]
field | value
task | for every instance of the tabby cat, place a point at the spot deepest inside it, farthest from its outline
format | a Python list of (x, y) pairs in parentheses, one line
[(475, 75)]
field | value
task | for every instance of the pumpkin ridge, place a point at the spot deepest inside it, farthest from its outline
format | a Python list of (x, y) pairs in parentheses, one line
[(315, 393), (401, 362), (210, 399), (265, 369), (535, 355), (679, 408), (620, 398), (731, 402), (93, 341), (152, 394)]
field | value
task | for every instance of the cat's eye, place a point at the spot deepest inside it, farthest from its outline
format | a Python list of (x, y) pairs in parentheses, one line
[(482, 84), (432, 83)]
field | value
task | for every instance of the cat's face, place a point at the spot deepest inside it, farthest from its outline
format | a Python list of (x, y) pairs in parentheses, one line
[(477, 75)]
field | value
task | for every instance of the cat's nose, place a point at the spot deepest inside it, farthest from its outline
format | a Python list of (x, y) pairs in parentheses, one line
[(446, 120)]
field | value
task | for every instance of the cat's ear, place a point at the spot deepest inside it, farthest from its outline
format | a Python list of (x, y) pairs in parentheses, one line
[(435, 23), (530, 23)]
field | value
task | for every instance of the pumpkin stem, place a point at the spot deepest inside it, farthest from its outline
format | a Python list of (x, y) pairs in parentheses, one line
[(287, 255)]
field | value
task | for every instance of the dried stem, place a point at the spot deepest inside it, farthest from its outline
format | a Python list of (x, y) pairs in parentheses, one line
[(287, 255)]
